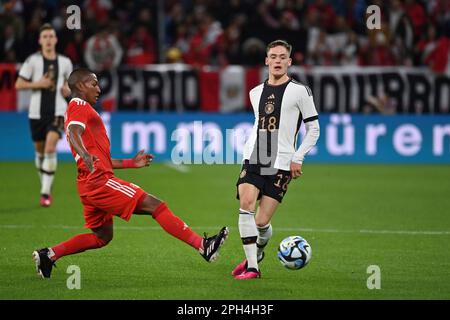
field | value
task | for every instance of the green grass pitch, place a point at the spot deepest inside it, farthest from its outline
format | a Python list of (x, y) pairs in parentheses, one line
[(354, 216)]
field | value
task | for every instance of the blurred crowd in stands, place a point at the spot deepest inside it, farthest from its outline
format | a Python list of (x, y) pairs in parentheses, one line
[(220, 33)]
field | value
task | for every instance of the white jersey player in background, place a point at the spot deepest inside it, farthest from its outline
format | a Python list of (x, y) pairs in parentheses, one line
[(270, 158), (46, 73)]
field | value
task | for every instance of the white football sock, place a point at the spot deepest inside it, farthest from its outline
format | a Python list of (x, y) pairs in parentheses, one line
[(38, 158), (48, 172), (249, 234), (264, 235)]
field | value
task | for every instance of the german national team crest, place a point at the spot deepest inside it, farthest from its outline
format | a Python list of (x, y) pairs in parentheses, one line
[(243, 173), (269, 108)]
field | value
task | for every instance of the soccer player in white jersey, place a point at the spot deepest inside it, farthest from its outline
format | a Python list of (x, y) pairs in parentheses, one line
[(270, 158), (45, 73)]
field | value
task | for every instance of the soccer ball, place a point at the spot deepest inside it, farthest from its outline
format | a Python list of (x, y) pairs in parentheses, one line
[(294, 252)]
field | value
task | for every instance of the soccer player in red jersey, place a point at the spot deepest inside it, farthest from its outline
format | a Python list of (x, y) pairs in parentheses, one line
[(102, 194)]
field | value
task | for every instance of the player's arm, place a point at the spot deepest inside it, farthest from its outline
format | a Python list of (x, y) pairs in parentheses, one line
[(44, 83), (75, 132), (141, 159), (308, 142), (65, 90), (311, 121)]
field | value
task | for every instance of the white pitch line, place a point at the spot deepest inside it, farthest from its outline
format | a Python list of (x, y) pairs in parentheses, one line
[(312, 230)]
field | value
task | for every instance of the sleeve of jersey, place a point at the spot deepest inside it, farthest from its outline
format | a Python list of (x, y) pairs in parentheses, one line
[(26, 71), (69, 69), (308, 142), (77, 115), (307, 107), (310, 118)]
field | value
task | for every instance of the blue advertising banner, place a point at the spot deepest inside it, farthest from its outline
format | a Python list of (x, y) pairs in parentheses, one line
[(213, 138)]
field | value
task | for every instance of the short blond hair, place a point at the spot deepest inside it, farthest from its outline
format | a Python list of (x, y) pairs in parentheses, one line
[(46, 26), (277, 43)]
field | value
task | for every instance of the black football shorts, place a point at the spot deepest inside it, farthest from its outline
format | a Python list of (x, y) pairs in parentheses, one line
[(40, 127), (273, 185)]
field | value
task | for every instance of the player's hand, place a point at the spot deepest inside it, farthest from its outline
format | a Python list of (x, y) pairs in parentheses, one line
[(296, 170), (142, 159), (65, 91), (89, 161), (45, 82)]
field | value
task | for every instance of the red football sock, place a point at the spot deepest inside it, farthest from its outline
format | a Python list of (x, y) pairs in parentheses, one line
[(76, 244), (176, 227)]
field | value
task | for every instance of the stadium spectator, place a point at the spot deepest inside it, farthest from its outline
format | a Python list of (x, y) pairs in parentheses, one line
[(400, 27), (325, 12), (101, 193), (203, 41), (378, 51), (338, 40), (438, 58), (227, 48), (267, 17), (174, 18), (253, 52), (350, 51), (100, 9), (103, 51), (75, 49), (8, 17), (184, 23), (10, 45), (417, 16), (46, 73), (320, 50), (182, 39), (426, 44), (29, 43), (141, 48), (266, 173)]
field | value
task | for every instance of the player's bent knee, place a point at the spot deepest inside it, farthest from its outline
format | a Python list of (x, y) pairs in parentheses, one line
[(150, 204), (104, 235), (104, 240)]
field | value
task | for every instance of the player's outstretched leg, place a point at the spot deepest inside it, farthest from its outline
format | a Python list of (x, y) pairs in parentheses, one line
[(211, 246), (173, 225)]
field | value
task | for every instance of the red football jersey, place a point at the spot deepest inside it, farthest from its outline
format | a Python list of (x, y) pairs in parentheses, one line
[(95, 141)]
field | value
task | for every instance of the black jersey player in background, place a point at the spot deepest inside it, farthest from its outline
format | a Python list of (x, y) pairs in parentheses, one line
[(270, 158), (45, 73)]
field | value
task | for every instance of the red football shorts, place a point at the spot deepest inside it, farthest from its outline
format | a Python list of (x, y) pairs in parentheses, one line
[(115, 198)]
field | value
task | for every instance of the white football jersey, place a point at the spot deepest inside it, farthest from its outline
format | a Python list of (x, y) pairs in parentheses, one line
[(46, 102), (279, 111)]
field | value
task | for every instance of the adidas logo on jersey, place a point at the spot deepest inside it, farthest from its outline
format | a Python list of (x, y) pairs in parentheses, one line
[(272, 96)]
